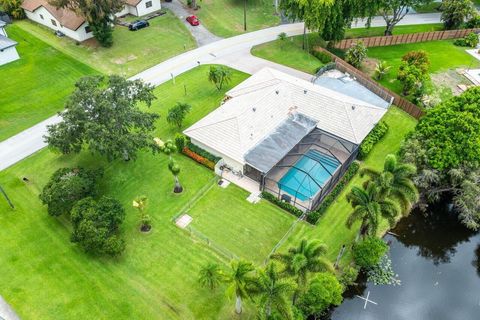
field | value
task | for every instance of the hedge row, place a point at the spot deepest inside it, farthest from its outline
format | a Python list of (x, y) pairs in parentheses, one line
[(198, 158), (313, 216), (202, 152), (284, 205), (372, 138)]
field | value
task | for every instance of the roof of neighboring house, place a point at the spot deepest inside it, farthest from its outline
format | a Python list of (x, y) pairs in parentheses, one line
[(260, 104), (6, 43), (133, 3), (66, 17)]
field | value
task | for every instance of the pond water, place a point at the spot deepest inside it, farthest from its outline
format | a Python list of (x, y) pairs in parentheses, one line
[(438, 263)]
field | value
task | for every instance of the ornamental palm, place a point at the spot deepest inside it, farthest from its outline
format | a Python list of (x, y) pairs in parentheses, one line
[(210, 276), (369, 207), (273, 293), (307, 257), (395, 182), (241, 282)]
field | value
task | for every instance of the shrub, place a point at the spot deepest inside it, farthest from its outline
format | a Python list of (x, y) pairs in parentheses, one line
[(418, 58), (282, 36), (455, 12), (369, 252), (284, 205), (313, 216), (202, 152), (470, 40), (356, 54), (349, 276), (372, 138), (198, 158), (67, 186), (474, 22), (413, 72), (322, 56), (180, 141), (381, 70)]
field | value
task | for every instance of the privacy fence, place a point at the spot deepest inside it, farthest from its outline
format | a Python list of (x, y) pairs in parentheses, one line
[(373, 86), (406, 38)]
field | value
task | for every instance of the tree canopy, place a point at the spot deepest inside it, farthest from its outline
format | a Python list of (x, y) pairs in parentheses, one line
[(323, 290), (393, 11), (456, 12), (177, 113), (104, 114)]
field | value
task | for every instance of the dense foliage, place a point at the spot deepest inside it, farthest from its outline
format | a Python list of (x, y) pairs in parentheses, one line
[(445, 149), (13, 8), (219, 75), (356, 54), (177, 114), (67, 186), (96, 224), (470, 40), (282, 204), (104, 115), (456, 12), (323, 291), (372, 138), (202, 152), (413, 72), (368, 252)]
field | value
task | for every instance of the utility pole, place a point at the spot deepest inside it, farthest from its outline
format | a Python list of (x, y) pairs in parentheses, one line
[(244, 15)]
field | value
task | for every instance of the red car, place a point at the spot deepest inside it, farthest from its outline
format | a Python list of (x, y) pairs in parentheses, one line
[(193, 20)]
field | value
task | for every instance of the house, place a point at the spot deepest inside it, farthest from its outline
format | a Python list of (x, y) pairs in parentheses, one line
[(294, 138), (8, 52), (73, 25)]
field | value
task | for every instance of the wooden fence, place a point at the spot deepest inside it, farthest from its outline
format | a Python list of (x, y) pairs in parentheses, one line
[(375, 87), (406, 38)]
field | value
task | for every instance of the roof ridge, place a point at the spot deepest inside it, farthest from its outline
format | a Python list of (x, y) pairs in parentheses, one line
[(190, 129)]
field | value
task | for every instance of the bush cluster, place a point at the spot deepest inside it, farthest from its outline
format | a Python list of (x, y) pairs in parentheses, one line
[(198, 158), (322, 56), (284, 205), (372, 138), (202, 152), (369, 251), (313, 216), (470, 40)]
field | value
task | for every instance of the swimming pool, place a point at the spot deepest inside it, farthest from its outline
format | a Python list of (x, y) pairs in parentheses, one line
[(305, 178)]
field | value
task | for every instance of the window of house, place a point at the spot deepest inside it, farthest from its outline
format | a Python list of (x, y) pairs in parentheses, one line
[(148, 4), (41, 17), (54, 22), (87, 29)]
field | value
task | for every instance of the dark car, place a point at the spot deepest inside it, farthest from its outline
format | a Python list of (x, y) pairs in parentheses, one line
[(137, 25)]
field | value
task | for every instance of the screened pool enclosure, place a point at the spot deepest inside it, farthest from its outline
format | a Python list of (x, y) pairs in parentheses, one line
[(300, 163)]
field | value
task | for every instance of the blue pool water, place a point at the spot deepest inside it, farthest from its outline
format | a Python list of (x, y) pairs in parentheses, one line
[(302, 185)]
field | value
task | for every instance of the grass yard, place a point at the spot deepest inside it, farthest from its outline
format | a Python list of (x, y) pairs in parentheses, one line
[(288, 52), (249, 231), (379, 31), (225, 17), (443, 56), (37, 85), (131, 52), (156, 278), (331, 228), (430, 7)]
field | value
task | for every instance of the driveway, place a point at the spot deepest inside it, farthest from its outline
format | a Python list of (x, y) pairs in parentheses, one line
[(234, 52), (200, 33)]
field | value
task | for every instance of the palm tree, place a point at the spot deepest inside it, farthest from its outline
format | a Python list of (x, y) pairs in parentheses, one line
[(369, 207), (273, 293), (306, 258), (395, 182), (210, 276), (241, 282)]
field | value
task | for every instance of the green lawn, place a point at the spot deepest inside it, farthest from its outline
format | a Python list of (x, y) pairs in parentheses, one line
[(378, 31), (430, 7), (288, 52), (443, 56), (35, 86), (131, 53), (331, 228), (225, 17), (249, 231), (156, 278)]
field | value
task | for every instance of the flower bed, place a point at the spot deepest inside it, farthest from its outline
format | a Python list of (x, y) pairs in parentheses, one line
[(198, 158)]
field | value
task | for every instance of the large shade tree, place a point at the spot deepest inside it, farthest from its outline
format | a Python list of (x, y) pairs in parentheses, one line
[(104, 115), (98, 14), (393, 11), (456, 12)]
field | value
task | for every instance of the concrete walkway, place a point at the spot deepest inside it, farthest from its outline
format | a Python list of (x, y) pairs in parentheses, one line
[(234, 52), (200, 33), (6, 312)]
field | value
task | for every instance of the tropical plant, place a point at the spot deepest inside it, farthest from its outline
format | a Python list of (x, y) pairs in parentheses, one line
[(413, 72), (273, 292), (177, 114), (210, 276), (169, 148), (369, 251), (301, 261), (456, 12), (368, 208), (381, 70), (175, 170), (140, 203), (241, 282), (395, 182), (104, 115), (13, 8), (219, 75), (356, 54), (349, 276)]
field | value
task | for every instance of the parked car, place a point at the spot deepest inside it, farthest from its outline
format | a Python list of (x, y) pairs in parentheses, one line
[(137, 25), (193, 20), (59, 33)]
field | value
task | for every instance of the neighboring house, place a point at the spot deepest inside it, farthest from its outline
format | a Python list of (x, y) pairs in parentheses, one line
[(73, 25), (294, 138), (8, 52)]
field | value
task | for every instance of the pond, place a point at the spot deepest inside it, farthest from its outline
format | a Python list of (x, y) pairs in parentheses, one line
[(438, 263)]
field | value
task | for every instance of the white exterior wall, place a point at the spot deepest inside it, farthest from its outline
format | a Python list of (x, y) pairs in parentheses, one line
[(143, 10), (80, 34), (237, 166), (8, 55)]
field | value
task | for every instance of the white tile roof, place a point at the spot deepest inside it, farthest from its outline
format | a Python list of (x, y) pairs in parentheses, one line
[(263, 101)]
